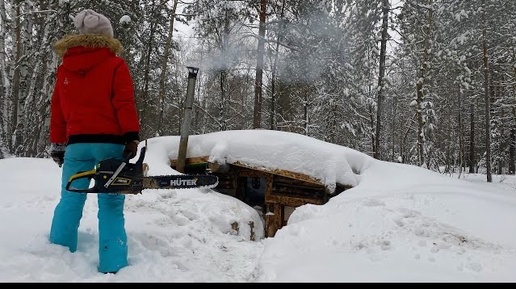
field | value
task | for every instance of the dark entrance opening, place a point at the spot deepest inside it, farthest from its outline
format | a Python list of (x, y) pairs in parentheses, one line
[(254, 191)]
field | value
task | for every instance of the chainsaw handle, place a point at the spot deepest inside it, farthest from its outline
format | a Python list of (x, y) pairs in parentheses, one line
[(87, 174), (108, 174)]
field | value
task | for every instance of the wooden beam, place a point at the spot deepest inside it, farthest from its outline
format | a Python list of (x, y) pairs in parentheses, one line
[(280, 172), (273, 219), (191, 161), (292, 201), (219, 168)]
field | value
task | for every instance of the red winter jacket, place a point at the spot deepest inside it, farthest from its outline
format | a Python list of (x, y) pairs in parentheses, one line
[(93, 99)]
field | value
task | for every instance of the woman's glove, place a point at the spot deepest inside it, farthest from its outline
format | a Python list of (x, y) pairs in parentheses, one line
[(131, 147), (57, 152)]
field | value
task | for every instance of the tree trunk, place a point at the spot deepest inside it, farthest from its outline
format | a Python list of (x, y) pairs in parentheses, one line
[(423, 71), (420, 122), (144, 92), (471, 159), (15, 97), (512, 138), (381, 75), (257, 116), (4, 80), (462, 152), (487, 126), (281, 26), (164, 65), (512, 146)]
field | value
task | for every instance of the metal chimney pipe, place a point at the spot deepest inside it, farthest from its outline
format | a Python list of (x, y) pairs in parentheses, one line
[(185, 128)]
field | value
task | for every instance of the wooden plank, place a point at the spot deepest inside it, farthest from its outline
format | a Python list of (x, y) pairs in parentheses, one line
[(191, 161), (287, 211), (273, 219), (292, 201), (250, 173), (295, 183), (298, 192), (280, 172), (219, 168)]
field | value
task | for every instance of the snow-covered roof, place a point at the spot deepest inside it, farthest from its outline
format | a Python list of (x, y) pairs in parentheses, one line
[(271, 150)]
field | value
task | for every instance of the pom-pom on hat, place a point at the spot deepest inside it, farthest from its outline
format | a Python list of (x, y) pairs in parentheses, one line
[(90, 22)]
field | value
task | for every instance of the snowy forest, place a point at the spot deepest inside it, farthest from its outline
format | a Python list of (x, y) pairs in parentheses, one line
[(423, 82)]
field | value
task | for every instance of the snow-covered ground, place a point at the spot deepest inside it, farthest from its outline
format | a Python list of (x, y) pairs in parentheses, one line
[(398, 223)]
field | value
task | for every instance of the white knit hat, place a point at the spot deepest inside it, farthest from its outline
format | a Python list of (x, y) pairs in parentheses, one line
[(91, 22)]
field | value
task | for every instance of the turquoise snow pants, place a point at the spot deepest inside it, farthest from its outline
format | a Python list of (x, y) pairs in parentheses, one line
[(68, 212)]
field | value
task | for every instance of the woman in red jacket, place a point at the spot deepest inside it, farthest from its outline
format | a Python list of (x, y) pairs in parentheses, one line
[(93, 117)]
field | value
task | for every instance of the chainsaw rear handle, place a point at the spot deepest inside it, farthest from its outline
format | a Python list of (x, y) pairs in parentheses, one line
[(87, 174)]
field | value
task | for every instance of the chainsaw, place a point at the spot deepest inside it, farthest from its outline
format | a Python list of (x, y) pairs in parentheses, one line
[(119, 176)]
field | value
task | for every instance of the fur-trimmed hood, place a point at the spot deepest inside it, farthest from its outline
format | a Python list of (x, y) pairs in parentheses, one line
[(80, 53), (87, 40)]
